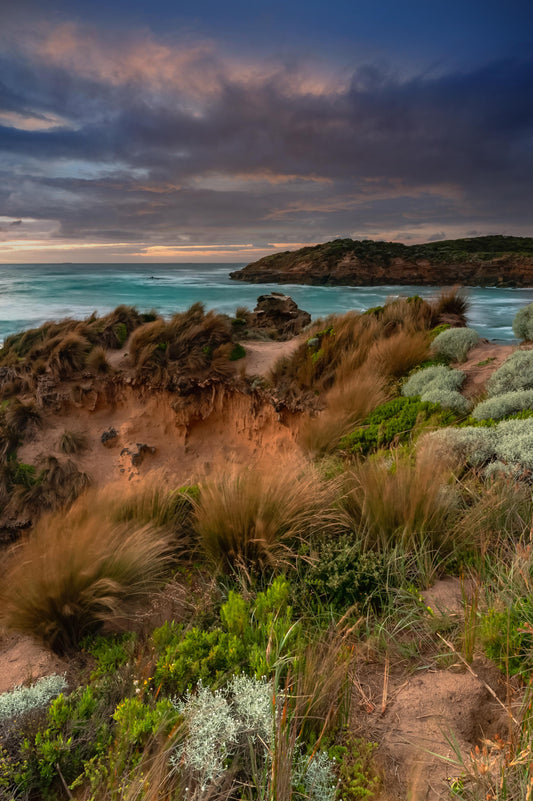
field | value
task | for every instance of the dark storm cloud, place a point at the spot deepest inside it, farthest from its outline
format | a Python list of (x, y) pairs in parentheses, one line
[(211, 149)]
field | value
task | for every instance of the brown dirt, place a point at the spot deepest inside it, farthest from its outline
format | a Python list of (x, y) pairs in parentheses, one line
[(416, 716), (261, 356), (482, 361), (23, 661)]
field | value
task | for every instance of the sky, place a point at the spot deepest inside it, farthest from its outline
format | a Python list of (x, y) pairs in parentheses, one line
[(209, 131)]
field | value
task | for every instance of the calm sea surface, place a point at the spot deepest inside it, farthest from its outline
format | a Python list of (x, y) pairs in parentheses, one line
[(30, 294)]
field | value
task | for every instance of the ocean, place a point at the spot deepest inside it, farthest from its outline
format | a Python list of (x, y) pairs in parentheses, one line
[(31, 294)]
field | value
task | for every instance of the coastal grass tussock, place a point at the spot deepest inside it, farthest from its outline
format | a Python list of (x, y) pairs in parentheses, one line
[(22, 417), (397, 355), (347, 405), (393, 501), (451, 306), (97, 361), (71, 442), (72, 576), (193, 344), (255, 519)]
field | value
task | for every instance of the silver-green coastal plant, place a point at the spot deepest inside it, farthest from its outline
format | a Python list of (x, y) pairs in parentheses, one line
[(455, 343), (438, 384), (516, 373), (22, 700), (503, 405), (523, 323), (238, 722), (510, 442)]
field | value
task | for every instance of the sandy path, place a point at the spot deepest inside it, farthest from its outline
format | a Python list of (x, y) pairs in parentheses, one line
[(261, 356)]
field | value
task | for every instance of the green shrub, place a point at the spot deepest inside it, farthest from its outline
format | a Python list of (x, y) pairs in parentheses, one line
[(238, 726), (237, 352), (76, 731), (340, 575), (510, 441), (514, 442), (516, 373), (455, 343), (507, 635), (504, 405), (523, 323), (358, 778), (394, 422), (439, 329), (110, 652), (248, 641), (121, 332)]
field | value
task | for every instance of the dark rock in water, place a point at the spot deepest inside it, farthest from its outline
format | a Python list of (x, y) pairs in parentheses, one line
[(279, 315), (109, 437)]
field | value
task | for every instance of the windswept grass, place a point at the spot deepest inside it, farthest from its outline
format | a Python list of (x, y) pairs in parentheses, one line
[(393, 501), (192, 344), (70, 577), (256, 520), (395, 356), (347, 405)]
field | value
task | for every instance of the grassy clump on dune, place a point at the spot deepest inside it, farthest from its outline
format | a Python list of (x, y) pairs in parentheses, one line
[(72, 576), (191, 345)]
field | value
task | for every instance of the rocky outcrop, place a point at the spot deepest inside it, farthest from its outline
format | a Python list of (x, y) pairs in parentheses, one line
[(279, 316), (480, 261)]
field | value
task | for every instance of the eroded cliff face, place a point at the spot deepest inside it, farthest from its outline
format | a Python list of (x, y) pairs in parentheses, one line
[(351, 263)]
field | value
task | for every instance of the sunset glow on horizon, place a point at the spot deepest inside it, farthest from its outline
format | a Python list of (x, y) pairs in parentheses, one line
[(143, 133)]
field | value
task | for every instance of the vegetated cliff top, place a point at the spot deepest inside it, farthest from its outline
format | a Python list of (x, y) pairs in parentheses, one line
[(482, 260)]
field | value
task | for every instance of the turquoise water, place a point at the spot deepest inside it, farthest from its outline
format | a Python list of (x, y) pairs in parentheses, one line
[(30, 294)]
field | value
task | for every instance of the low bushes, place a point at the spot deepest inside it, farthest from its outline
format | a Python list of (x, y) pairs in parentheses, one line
[(438, 384), (516, 373), (22, 700), (395, 422), (510, 441), (504, 405), (455, 343), (523, 323)]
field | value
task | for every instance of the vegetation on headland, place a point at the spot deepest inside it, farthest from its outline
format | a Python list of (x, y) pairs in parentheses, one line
[(278, 587), (482, 260)]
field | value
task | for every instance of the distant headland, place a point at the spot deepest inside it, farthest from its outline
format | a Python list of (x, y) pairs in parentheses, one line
[(477, 261)]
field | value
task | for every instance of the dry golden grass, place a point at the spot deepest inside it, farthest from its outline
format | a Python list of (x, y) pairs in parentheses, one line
[(73, 575), (395, 356), (253, 520), (451, 306), (348, 403), (393, 501), (193, 343)]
